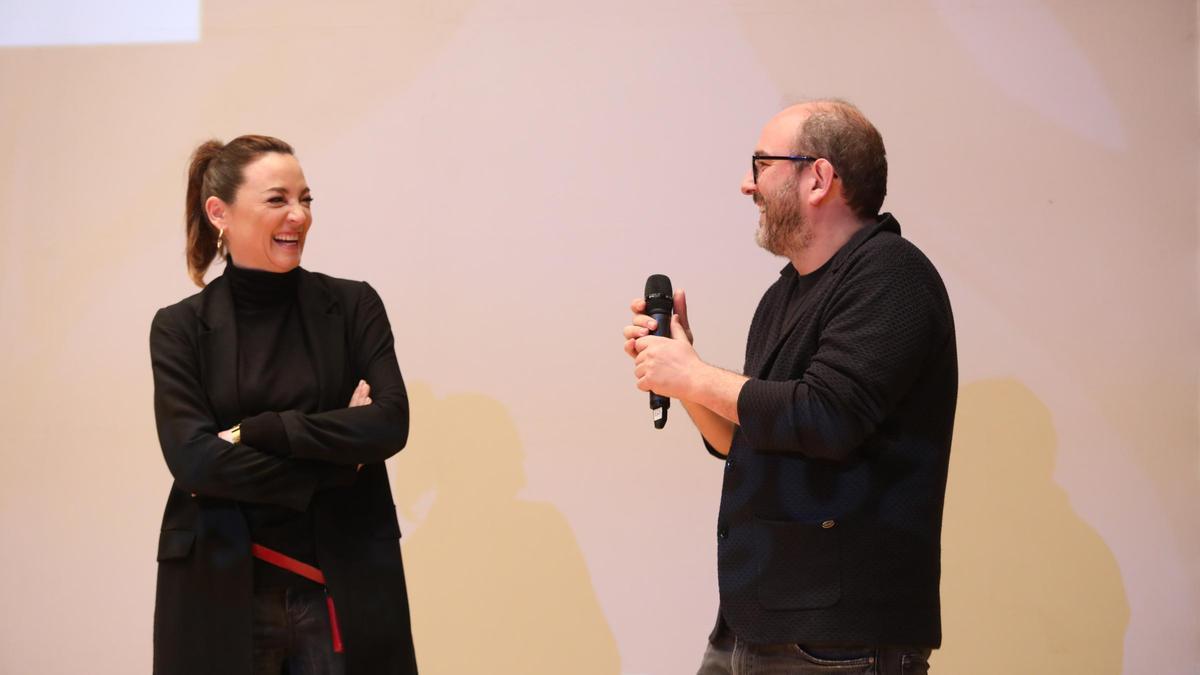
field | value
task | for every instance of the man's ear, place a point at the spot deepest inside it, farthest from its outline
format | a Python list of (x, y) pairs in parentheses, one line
[(823, 177)]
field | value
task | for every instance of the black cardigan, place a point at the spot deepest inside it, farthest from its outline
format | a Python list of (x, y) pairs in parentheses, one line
[(831, 509), (202, 614)]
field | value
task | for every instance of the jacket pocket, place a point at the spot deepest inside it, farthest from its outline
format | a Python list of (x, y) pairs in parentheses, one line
[(175, 544), (801, 566)]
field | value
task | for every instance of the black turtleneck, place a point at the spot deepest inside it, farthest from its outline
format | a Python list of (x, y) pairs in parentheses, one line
[(275, 373)]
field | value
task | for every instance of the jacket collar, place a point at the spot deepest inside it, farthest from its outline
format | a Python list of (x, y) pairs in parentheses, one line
[(885, 223), (324, 326), (321, 316)]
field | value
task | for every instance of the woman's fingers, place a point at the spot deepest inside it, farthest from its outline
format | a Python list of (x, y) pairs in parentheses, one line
[(361, 395)]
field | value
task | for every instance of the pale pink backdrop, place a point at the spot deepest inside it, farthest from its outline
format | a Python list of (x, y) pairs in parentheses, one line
[(507, 174)]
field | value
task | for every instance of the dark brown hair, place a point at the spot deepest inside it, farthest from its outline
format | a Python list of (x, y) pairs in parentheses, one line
[(839, 132), (216, 171)]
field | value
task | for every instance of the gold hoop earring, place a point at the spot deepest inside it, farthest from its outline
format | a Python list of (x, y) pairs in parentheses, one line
[(220, 238)]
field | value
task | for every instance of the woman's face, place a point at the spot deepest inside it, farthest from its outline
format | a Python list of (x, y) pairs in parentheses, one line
[(267, 222)]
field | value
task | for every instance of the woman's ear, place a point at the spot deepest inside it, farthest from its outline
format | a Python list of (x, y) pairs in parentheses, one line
[(217, 212)]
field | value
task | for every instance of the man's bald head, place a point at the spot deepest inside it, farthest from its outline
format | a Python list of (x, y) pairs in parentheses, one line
[(839, 132)]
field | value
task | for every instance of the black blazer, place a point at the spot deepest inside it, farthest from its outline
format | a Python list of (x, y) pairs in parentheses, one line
[(202, 617), (831, 508)]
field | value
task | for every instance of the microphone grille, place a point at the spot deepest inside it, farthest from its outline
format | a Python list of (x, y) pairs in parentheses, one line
[(659, 294)]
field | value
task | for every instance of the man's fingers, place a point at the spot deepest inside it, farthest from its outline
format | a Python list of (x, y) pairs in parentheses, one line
[(639, 345), (678, 328), (681, 311), (635, 332), (642, 327), (645, 321), (681, 306), (642, 343)]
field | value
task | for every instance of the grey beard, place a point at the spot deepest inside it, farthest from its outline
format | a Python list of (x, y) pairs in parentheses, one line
[(783, 229)]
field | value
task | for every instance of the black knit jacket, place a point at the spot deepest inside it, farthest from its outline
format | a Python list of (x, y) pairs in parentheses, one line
[(830, 521)]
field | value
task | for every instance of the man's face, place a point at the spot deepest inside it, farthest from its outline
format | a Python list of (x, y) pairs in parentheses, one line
[(782, 226)]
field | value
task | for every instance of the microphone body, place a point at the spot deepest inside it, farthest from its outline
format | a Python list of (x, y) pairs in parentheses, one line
[(660, 304)]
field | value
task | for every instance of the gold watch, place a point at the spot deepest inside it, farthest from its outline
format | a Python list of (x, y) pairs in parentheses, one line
[(236, 433)]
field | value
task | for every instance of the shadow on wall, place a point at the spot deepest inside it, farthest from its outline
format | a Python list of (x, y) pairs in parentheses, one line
[(1024, 581), (497, 584)]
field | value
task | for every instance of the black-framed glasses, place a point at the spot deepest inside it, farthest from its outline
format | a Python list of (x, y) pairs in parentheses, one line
[(755, 159)]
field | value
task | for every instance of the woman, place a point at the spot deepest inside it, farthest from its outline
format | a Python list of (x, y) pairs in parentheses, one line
[(279, 549)]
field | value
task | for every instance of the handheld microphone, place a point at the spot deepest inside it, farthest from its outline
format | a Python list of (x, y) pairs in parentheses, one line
[(660, 304)]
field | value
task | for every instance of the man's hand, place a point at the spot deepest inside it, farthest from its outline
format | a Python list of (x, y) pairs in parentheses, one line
[(643, 324), (670, 367), (666, 366)]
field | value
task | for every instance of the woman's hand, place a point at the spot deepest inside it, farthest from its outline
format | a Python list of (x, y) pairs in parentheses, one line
[(361, 396)]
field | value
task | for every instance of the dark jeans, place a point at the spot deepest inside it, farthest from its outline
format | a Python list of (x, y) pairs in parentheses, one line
[(292, 635), (735, 657)]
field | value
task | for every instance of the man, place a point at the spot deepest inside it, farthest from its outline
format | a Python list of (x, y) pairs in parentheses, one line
[(837, 434)]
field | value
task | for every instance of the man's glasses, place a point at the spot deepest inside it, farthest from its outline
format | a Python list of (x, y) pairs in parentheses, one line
[(755, 159)]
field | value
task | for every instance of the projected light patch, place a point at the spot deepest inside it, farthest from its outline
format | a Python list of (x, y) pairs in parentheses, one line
[(51, 23)]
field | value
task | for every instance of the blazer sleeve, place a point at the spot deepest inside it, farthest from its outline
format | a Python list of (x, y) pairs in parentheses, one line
[(364, 434), (200, 461), (883, 323)]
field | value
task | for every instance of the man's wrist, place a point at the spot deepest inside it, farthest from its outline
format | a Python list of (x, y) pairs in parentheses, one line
[(717, 389), (697, 381)]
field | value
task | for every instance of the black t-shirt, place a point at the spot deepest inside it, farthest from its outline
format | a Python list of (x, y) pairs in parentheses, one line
[(798, 287), (275, 373)]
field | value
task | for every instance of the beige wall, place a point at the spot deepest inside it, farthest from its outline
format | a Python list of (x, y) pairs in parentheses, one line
[(506, 174)]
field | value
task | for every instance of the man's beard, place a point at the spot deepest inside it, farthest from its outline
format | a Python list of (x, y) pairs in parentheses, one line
[(782, 228)]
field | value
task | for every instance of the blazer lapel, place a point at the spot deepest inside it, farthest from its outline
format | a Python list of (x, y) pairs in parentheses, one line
[(324, 327), (218, 351), (886, 222), (761, 334)]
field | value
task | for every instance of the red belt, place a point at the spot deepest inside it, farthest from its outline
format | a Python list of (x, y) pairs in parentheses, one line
[(307, 571)]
